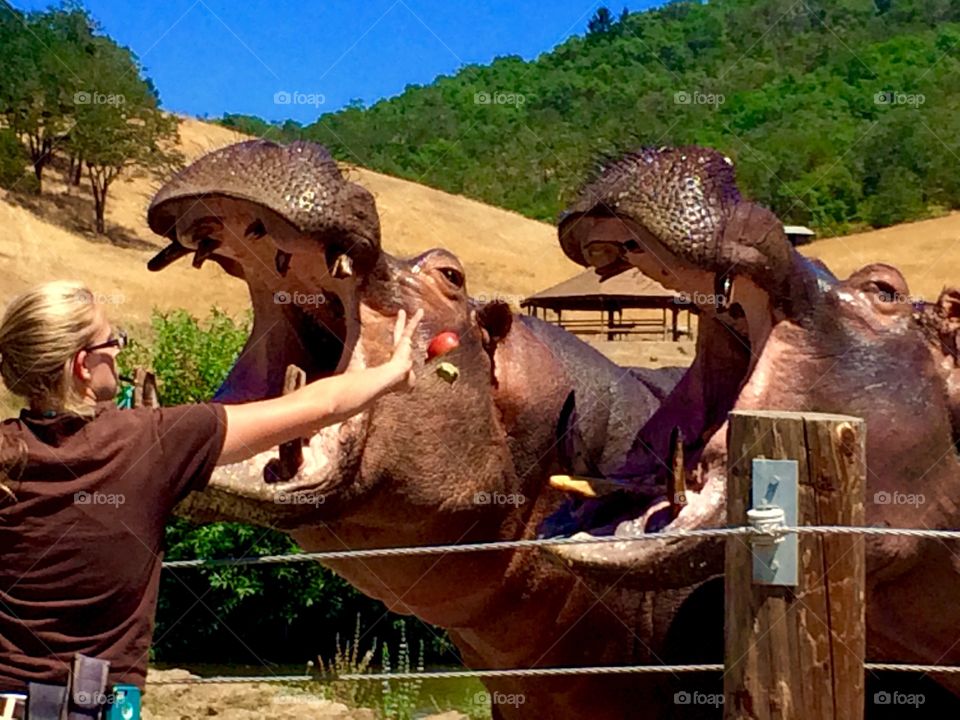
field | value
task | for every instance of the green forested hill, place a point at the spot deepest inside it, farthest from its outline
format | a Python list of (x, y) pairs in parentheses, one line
[(839, 113)]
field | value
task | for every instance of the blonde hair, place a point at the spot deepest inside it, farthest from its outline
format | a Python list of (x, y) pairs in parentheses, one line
[(40, 334)]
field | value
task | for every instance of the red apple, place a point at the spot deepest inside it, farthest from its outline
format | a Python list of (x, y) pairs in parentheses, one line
[(442, 343)]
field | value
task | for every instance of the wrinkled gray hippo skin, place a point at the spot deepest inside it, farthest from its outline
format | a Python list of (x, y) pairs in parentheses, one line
[(445, 463)]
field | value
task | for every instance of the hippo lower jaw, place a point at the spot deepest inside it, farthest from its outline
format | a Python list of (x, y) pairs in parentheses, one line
[(667, 485)]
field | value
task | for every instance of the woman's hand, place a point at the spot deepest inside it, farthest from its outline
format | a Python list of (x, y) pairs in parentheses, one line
[(402, 357), (258, 426)]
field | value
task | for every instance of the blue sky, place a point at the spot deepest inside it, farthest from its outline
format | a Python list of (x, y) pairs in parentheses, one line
[(217, 56)]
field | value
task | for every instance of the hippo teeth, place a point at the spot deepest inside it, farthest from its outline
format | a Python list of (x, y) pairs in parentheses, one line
[(342, 267), (587, 487), (205, 248), (677, 482), (291, 453), (282, 262)]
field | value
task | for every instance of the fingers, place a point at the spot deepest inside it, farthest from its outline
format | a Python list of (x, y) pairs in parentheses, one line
[(412, 325), (398, 326)]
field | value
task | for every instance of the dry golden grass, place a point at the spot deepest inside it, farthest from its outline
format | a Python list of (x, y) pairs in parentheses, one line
[(504, 253), (926, 252)]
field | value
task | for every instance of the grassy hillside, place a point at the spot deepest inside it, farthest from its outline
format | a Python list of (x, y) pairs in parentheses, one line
[(841, 114), (504, 253), (50, 237)]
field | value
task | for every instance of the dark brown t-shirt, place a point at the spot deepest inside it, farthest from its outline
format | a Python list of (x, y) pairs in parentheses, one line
[(82, 545)]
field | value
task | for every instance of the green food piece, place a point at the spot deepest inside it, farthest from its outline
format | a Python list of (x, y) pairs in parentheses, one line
[(448, 372)]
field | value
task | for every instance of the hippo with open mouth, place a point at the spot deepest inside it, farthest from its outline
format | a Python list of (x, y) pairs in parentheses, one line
[(459, 462), (777, 332)]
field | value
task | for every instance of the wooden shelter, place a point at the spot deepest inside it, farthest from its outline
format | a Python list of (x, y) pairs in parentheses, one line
[(799, 234), (628, 291)]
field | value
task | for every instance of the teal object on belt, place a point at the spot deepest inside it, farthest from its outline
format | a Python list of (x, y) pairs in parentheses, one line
[(125, 397), (124, 703)]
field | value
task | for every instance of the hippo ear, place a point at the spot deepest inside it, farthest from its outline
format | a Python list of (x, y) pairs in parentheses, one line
[(495, 319), (949, 302)]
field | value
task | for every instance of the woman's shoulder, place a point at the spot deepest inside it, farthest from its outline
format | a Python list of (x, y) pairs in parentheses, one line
[(185, 420)]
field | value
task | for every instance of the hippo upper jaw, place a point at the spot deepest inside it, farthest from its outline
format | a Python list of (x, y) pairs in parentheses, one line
[(284, 219)]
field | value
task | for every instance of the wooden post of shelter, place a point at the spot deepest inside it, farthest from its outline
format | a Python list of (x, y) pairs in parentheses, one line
[(796, 652)]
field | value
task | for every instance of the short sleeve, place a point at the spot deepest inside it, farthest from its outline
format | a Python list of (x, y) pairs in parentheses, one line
[(191, 438)]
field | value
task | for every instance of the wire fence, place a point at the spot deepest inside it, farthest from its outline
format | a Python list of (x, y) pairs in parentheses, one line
[(523, 672), (671, 535), (745, 530)]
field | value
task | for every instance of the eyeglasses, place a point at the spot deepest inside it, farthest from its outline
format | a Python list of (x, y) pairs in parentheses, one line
[(119, 341)]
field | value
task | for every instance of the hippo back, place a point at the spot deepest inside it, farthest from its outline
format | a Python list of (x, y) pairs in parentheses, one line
[(612, 402)]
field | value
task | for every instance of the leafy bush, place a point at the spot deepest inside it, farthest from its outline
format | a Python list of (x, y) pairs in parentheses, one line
[(190, 359)]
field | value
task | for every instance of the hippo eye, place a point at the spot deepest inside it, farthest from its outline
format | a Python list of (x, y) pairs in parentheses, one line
[(885, 291), (454, 276)]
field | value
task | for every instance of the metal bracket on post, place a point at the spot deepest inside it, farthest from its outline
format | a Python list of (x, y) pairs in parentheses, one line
[(775, 499)]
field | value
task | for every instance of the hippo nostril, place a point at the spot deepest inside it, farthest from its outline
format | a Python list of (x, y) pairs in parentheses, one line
[(255, 230)]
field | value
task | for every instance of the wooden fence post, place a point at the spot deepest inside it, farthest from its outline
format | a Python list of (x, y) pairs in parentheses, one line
[(145, 389), (797, 653)]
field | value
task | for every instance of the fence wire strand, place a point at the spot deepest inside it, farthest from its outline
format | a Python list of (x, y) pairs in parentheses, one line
[(554, 542), (520, 672)]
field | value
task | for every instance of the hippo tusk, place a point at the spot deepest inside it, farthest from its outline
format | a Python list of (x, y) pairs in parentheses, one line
[(584, 486), (342, 267), (677, 482), (170, 254), (206, 247), (291, 453)]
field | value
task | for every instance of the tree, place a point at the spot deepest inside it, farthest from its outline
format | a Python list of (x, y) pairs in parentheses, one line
[(40, 54), (118, 123), (601, 23), (804, 96), (13, 159)]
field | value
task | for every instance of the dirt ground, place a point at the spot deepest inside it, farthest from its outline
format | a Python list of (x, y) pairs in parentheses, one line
[(245, 702)]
